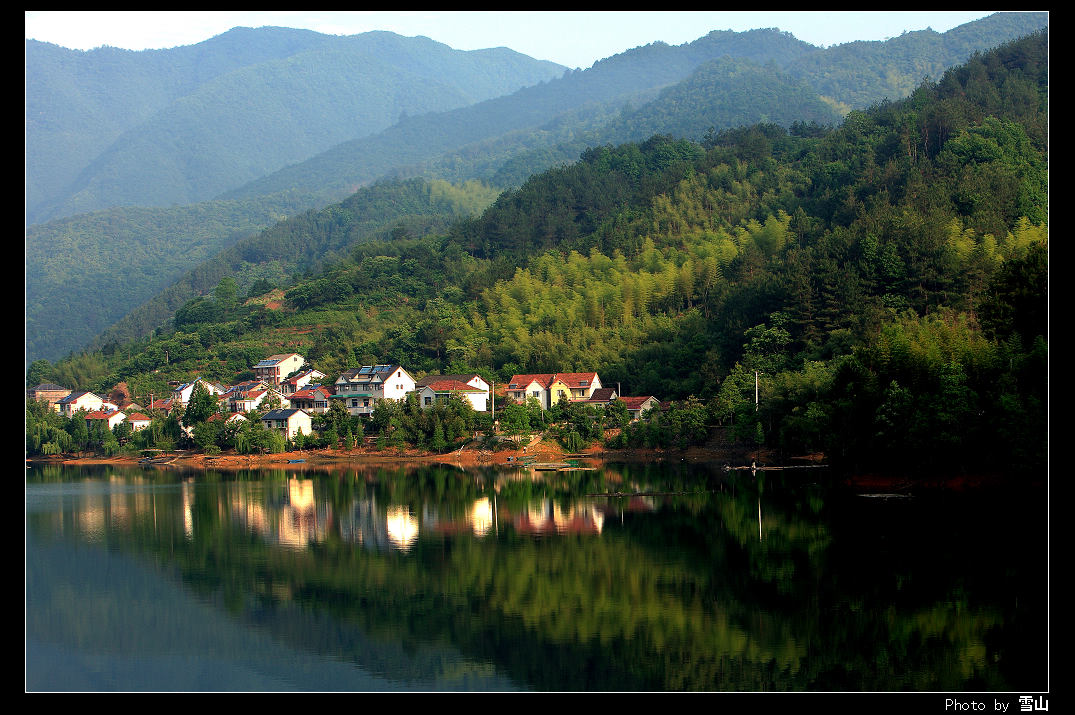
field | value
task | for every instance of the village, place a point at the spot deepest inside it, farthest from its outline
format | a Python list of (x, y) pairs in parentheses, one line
[(287, 392)]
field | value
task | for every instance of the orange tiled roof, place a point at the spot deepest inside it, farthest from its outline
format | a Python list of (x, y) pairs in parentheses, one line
[(100, 415), (452, 386), (634, 403), (571, 379)]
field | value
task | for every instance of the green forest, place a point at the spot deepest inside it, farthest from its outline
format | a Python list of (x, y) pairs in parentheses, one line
[(722, 80), (885, 281)]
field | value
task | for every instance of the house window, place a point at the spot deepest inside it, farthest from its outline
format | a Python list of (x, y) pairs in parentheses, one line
[(429, 400), (537, 393)]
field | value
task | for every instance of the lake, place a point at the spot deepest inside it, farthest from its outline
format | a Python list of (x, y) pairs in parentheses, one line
[(436, 578)]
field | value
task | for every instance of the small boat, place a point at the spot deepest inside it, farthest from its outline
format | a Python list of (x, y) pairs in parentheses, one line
[(295, 461)]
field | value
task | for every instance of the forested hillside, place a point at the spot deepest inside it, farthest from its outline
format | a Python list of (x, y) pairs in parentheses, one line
[(185, 124), (685, 91), (886, 281)]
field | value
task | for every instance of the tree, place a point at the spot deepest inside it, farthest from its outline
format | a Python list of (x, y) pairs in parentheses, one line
[(437, 443), (226, 294), (202, 405), (514, 419), (40, 371)]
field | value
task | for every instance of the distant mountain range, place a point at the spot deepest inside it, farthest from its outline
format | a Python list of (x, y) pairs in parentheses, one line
[(112, 127), (203, 134)]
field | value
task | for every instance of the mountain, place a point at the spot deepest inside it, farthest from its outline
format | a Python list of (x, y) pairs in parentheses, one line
[(608, 84), (721, 80), (886, 278), (857, 74), (183, 125)]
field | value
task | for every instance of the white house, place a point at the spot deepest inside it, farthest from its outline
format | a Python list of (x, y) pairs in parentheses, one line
[(381, 382), (183, 393), (138, 421), (638, 405), (110, 418), (81, 400), (471, 378), (431, 392), (247, 400), (298, 382), (523, 387), (276, 368), (289, 421)]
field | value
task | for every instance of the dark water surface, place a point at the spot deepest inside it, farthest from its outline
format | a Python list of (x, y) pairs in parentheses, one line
[(437, 578)]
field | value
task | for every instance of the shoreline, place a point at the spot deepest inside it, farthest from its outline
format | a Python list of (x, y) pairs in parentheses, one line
[(329, 460), (322, 458)]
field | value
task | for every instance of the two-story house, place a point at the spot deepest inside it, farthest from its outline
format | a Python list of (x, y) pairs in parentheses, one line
[(361, 388), (275, 368), (313, 399), (183, 393), (301, 380), (550, 388), (251, 399), (83, 400), (48, 392)]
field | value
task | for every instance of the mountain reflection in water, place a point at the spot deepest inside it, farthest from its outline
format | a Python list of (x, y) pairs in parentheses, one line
[(438, 578)]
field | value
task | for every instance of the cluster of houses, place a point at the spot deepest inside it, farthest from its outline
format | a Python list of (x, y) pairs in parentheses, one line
[(299, 392)]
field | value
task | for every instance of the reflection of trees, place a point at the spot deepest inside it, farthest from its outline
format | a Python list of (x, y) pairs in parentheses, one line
[(686, 596)]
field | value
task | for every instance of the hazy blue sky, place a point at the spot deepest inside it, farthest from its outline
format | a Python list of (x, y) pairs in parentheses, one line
[(575, 39)]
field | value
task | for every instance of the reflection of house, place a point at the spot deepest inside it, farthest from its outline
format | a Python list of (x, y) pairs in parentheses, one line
[(481, 516), (289, 421), (551, 388), (402, 527), (277, 367), (47, 392), (549, 517), (440, 390)]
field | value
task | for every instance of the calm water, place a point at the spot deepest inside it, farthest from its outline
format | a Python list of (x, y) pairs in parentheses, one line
[(444, 579)]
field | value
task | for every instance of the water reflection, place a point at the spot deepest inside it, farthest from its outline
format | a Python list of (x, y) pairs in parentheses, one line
[(685, 580), (292, 514)]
